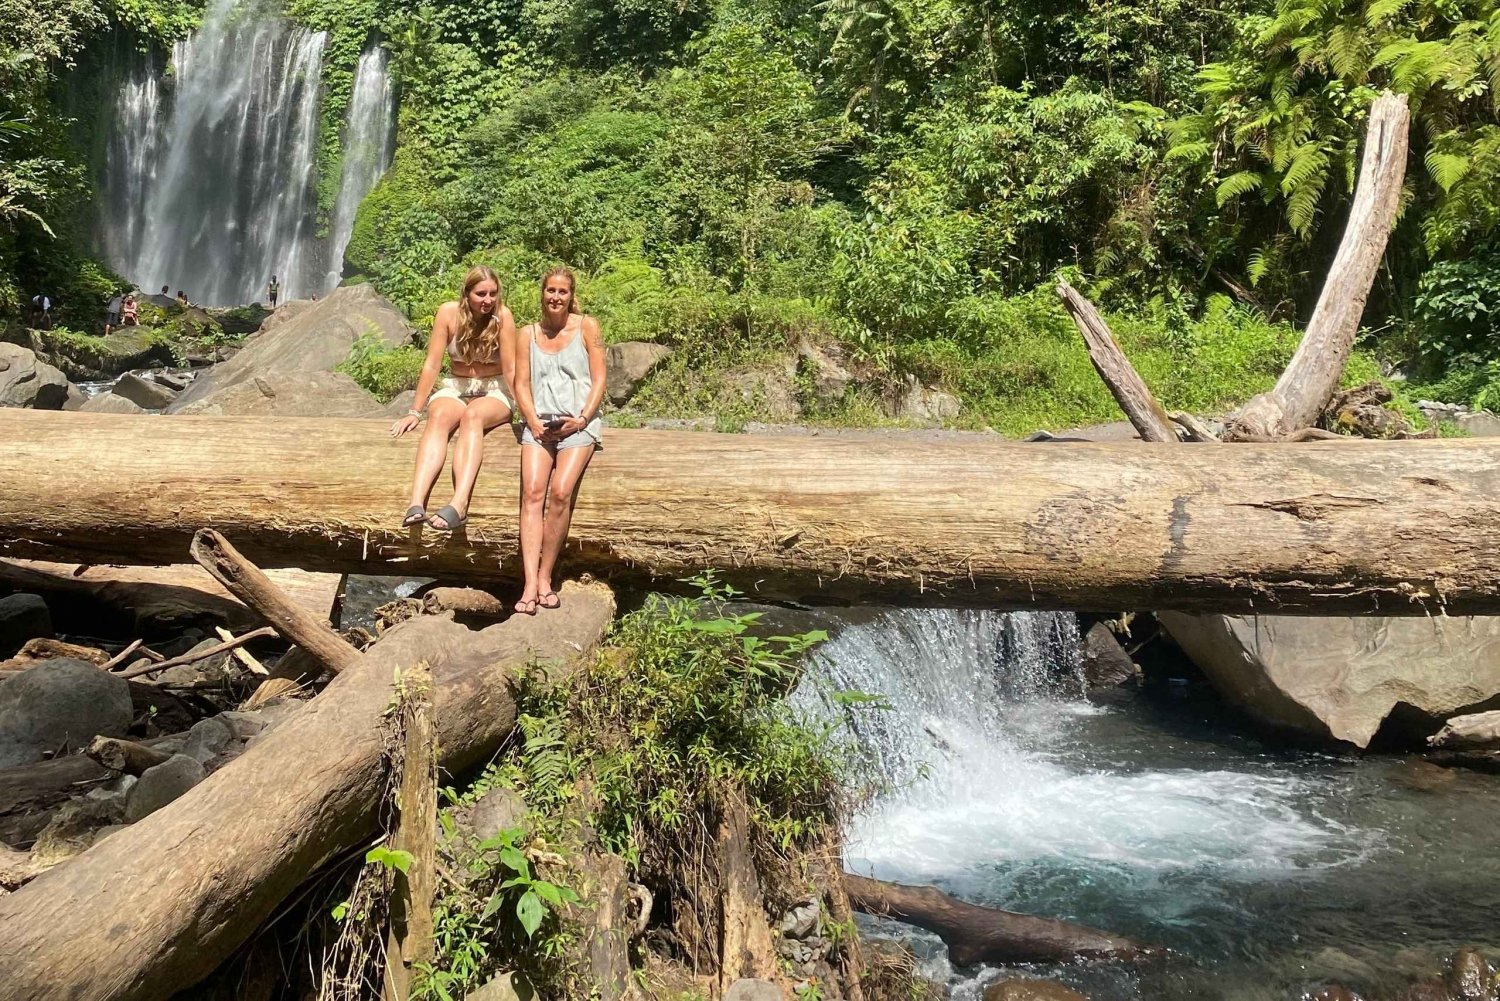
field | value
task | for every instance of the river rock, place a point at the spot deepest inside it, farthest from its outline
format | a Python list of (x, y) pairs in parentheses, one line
[(75, 826), (1481, 425), (1104, 663), (143, 393), (752, 989), (207, 669), (510, 986), (97, 357), (75, 399), (499, 809), (1475, 730), (28, 381), (175, 381), (1470, 977), (627, 364), (1339, 677), (288, 394), (1030, 990), (160, 785), (109, 403), (312, 340), (800, 921), (59, 703), (22, 617)]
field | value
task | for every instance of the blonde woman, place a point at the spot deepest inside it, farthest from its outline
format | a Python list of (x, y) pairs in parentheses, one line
[(559, 389), (479, 335)]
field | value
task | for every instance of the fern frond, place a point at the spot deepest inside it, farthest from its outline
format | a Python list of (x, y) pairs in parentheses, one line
[(1237, 185)]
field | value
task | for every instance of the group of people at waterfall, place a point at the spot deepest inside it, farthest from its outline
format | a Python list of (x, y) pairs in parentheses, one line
[(551, 374)]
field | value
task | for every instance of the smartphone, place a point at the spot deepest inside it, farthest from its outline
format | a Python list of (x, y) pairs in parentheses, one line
[(553, 423)]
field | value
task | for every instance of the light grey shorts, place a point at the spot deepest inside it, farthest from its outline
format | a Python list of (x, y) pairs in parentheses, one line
[(463, 389), (577, 439)]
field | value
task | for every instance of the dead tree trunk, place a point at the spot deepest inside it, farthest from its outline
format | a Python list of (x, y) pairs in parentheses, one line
[(823, 519), (976, 934), (1308, 382), (119, 922), (1128, 388)]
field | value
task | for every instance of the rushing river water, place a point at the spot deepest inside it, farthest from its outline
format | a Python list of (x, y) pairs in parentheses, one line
[(1269, 871)]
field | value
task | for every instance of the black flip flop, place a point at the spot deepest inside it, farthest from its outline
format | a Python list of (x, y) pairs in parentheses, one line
[(415, 515), (531, 610), (451, 518), (541, 600)]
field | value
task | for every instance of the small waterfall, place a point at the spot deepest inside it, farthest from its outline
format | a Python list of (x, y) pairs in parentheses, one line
[(214, 193), (993, 781), (368, 134)]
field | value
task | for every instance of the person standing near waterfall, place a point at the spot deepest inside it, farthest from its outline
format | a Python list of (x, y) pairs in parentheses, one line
[(479, 336), (273, 289), (560, 378)]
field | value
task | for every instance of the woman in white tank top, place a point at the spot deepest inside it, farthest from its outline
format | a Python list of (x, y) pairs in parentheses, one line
[(559, 390)]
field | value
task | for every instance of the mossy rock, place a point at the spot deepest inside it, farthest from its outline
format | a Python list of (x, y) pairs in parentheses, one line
[(84, 356), (240, 320)]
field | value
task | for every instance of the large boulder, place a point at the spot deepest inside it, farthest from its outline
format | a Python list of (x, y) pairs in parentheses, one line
[(27, 381), (144, 393), (314, 339), (109, 403), (1339, 677), (288, 394), (627, 364), (88, 358), (59, 703)]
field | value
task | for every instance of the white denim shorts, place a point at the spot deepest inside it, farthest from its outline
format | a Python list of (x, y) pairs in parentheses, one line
[(464, 389)]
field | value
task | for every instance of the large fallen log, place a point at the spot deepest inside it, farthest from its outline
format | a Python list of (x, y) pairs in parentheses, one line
[(1388, 527), (975, 934), (154, 908)]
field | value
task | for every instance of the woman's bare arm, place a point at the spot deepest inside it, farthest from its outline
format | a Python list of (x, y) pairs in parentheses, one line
[(524, 402)]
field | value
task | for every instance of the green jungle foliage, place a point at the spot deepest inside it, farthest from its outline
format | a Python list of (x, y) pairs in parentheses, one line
[(896, 177), (682, 709)]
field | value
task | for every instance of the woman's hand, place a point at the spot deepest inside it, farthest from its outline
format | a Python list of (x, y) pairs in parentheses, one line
[(570, 426), (404, 424), (538, 430)]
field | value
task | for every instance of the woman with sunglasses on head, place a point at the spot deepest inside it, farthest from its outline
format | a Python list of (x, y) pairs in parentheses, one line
[(559, 390), (479, 335)]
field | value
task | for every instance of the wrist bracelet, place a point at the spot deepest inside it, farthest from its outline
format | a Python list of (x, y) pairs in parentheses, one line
[(415, 413)]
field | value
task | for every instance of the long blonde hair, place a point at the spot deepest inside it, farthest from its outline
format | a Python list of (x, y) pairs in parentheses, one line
[(470, 341), (559, 272)]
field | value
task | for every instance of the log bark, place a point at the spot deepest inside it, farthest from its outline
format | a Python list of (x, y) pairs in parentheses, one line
[(974, 521), (249, 583), (976, 934), (411, 933), (116, 923), (1309, 380), (1125, 384)]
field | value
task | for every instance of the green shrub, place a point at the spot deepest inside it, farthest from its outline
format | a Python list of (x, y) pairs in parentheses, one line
[(383, 371)]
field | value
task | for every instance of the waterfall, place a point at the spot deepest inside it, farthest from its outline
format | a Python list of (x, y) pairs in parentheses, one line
[(132, 156), (992, 780), (367, 150)]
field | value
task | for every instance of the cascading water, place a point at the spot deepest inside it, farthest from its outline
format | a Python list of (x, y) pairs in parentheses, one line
[(367, 150), (1265, 869), (132, 157), (209, 184)]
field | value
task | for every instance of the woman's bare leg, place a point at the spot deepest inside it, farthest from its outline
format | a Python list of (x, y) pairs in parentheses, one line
[(561, 493), (536, 470), (443, 416), (468, 451)]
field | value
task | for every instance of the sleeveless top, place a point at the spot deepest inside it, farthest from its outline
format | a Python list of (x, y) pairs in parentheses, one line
[(560, 381)]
